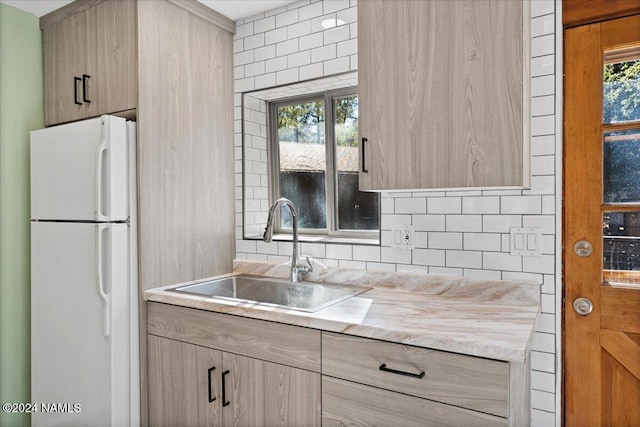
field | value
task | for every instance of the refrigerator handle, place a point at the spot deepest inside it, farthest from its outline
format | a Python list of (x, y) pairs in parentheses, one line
[(102, 148), (106, 309)]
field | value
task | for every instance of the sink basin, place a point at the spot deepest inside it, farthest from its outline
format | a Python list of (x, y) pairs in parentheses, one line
[(303, 296)]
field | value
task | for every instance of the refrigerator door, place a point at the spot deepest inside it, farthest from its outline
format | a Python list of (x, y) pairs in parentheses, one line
[(80, 337), (79, 171)]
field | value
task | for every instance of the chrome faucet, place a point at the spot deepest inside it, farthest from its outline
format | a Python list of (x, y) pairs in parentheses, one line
[(296, 269)]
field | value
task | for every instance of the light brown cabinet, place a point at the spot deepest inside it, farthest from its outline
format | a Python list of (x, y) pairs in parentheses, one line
[(197, 377), (444, 94), (89, 61), (371, 382)]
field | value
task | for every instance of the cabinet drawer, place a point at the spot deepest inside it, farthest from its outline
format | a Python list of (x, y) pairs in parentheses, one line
[(349, 404), (273, 342), (465, 381)]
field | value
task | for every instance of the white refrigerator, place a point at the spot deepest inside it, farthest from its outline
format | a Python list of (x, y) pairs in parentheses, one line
[(84, 293)]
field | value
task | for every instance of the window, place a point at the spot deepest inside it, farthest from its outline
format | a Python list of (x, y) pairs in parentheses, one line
[(314, 163)]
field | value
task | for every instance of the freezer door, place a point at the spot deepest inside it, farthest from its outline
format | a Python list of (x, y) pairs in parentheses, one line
[(79, 171), (80, 316)]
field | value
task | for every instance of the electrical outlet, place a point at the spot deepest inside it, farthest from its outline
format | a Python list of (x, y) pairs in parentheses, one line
[(402, 237)]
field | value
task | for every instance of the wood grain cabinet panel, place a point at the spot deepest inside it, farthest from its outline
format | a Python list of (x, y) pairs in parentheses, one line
[(465, 381), (90, 61), (444, 94), (346, 403)]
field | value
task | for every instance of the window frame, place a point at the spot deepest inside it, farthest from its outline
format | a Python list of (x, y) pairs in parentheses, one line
[(331, 181)]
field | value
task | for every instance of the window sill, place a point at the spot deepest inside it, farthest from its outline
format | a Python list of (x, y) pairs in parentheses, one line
[(309, 238)]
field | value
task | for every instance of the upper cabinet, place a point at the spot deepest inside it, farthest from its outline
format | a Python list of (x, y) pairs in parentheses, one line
[(90, 61), (444, 94)]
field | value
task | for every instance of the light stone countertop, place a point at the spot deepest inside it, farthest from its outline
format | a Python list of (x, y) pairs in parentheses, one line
[(490, 319)]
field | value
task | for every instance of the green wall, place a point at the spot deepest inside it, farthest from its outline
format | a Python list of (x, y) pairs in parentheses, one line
[(21, 110)]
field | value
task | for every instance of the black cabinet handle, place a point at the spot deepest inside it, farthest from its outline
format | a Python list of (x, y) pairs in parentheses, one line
[(364, 169), (211, 397), (383, 367), (224, 389), (76, 80), (85, 90)]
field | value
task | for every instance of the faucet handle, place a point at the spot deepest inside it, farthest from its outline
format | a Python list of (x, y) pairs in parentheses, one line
[(309, 265)]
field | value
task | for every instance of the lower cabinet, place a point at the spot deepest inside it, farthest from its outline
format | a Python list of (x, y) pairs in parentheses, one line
[(345, 403), (211, 369)]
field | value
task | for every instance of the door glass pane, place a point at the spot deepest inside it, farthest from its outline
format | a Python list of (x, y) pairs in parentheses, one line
[(621, 164), (621, 91), (357, 210), (621, 247), (303, 162)]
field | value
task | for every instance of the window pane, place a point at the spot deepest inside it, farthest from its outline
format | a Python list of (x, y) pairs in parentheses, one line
[(621, 163), (303, 162), (621, 91), (621, 247), (357, 210)]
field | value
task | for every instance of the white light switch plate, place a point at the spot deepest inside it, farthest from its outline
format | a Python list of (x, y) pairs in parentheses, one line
[(402, 237), (525, 241)]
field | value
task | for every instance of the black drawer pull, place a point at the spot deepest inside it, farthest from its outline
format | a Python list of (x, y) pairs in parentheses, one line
[(224, 389), (211, 397), (85, 89), (364, 168), (383, 367), (76, 80)]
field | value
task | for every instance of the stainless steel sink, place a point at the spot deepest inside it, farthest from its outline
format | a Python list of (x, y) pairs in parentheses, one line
[(303, 296)]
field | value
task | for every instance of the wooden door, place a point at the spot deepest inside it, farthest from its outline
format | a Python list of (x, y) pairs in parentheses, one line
[(443, 92), (184, 384), (262, 393), (64, 45), (111, 57), (602, 207)]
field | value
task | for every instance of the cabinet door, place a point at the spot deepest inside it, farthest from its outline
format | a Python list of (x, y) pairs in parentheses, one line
[(350, 404), (111, 57), (266, 394), (443, 97), (183, 387), (64, 44)]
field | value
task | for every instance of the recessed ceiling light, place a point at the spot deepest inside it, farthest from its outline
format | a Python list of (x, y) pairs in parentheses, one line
[(331, 22)]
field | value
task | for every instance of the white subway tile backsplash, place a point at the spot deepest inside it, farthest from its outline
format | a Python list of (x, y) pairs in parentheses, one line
[(544, 362), (543, 125), (501, 261), (242, 58), (521, 205), (446, 271), (542, 7), (466, 259), (254, 68), (311, 71), (438, 240), (243, 31), (444, 205), (336, 66), (542, 25), (286, 47), (543, 342), (539, 264), (286, 18), (310, 41), (481, 274), (543, 65), (298, 59), (352, 264), (275, 36), (287, 76), (542, 418), (323, 53), (366, 253), (381, 266), (339, 251), (335, 35), (543, 45), (415, 205), (264, 24), (522, 277), (544, 85), (253, 42), (421, 239), (541, 145), (347, 47), (542, 381), (481, 205), (481, 242), (334, 5), (388, 221), (348, 15), (500, 223), (546, 323), (429, 222), (543, 105), (300, 29), (238, 45), (399, 256), (311, 11), (276, 64), (265, 80), (543, 400), (470, 223), (428, 257), (543, 165)]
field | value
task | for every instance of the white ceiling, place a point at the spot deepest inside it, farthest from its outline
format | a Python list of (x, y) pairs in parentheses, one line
[(234, 9)]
